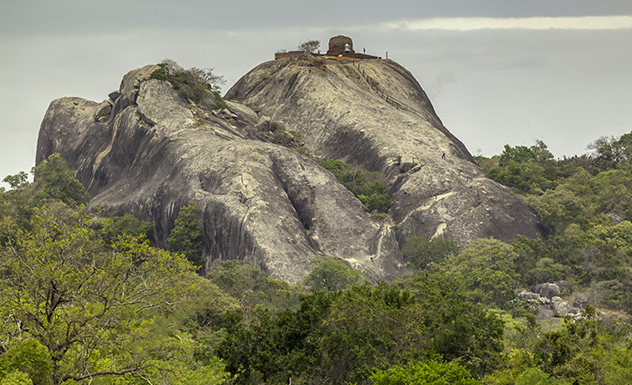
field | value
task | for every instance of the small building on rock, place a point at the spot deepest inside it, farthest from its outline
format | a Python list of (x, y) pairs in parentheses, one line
[(340, 47)]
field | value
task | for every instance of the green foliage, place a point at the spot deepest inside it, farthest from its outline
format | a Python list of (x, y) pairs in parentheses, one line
[(18, 182), (378, 201), (535, 376), (54, 180), (431, 372), (85, 300), (525, 169), (251, 288), (200, 85), (613, 152), (583, 349), (459, 328), (617, 366), (16, 378), (487, 268), (422, 253), (347, 335), (585, 202), (80, 300), (159, 74), (367, 186), (26, 360), (114, 226), (219, 101), (332, 275), (186, 235)]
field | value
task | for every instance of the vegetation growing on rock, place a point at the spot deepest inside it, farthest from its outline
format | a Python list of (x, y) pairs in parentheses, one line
[(367, 186), (186, 236), (197, 84)]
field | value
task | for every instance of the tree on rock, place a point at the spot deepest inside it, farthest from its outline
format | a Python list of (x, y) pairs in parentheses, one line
[(310, 46), (186, 236)]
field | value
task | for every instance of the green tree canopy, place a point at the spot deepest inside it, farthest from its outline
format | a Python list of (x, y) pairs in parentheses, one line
[(186, 235), (487, 269), (54, 180), (431, 372), (332, 275), (82, 301), (423, 253)]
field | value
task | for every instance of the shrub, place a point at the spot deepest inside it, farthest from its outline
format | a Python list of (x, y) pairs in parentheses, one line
[(283, 136), (426, 373), (196, 84), (186, 236), (333, 275), (309, 46), (421, 252), (365, 185)]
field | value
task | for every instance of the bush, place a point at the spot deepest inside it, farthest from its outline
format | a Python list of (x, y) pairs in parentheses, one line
[(421, 252), (283, 136), (365, 185), (186, 236), (196, 84), (333, 275), (426, 373), (310, 46)]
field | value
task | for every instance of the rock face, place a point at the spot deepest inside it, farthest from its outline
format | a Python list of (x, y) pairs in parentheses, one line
[(375, 114), (260, 202), (147, 151)]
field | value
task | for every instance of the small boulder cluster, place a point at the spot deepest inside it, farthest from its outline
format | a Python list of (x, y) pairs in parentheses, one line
[(548, 294)]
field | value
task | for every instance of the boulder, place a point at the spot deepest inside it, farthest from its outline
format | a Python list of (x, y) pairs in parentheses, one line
[(130, 86), (548, 290), (407, 162), (226, 114), (114, 95), (560, 307), (581, 300), (263, 124), (529, 295), (243, 114)]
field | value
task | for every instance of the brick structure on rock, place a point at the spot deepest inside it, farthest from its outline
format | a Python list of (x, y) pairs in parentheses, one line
[(340, 47)]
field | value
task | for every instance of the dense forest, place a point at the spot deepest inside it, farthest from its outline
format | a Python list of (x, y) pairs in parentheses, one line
[(86, 298)]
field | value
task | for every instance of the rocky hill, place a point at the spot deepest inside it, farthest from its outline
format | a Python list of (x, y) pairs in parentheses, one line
[(148, 151)]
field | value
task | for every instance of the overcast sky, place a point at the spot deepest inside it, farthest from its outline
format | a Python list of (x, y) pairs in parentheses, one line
[(497, 71)]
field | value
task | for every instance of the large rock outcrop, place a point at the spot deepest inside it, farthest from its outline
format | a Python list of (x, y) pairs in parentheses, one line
[(375, 114), (259, 201), (262, 202)]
